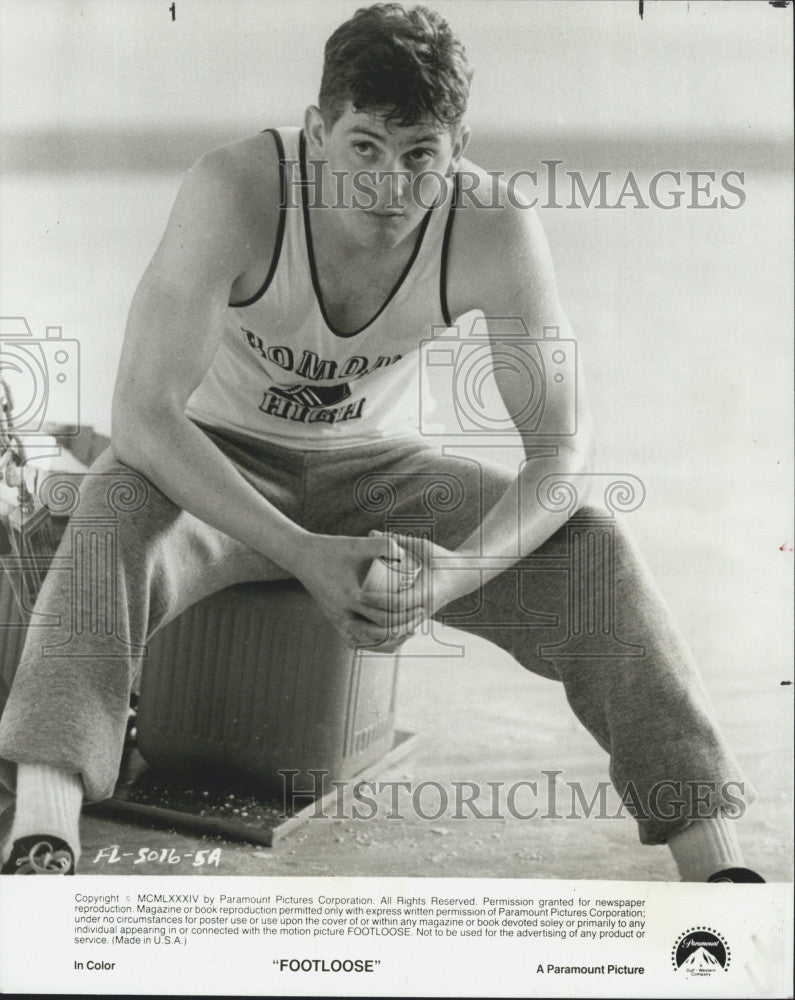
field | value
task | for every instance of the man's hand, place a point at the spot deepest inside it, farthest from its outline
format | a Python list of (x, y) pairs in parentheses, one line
[(437, 584), (333, 568)]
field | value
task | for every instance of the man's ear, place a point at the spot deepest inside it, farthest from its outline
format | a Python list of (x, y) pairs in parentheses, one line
[(459, 145), (315, 128)]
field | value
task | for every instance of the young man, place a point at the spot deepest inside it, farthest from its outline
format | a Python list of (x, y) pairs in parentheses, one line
[(268, 368)]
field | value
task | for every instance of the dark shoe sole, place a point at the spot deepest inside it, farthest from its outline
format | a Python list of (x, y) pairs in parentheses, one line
[(39, 855), (735, 875)]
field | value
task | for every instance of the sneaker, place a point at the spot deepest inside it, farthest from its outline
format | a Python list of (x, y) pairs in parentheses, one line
[(735, 875), (39, 855)]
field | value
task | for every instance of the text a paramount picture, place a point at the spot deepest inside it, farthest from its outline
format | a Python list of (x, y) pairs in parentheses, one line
[(396, 498)]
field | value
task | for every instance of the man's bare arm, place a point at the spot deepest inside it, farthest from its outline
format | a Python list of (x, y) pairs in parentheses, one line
[(173, 331), (523, 285), (500, 263)]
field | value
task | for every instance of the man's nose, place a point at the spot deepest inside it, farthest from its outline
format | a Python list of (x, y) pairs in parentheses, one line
[(393, 185)]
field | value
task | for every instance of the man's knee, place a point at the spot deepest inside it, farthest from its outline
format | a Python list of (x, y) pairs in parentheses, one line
[(114, 517), (109, 497)]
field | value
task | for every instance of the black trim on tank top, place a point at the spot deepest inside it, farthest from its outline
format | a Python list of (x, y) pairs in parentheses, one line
[(280, 229), (311, 254), (448, 229)]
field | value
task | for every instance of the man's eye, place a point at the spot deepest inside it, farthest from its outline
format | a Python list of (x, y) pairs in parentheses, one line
[(363, 148), (420, 155)]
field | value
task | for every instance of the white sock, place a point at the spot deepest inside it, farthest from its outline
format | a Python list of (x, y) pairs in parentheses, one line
[(705, 847), (48, 802)]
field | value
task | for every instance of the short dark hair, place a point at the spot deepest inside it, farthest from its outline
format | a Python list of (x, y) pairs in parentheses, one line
[(405, 63)]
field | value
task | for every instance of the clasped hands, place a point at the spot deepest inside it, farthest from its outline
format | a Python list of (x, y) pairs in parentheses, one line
[(333, 569)]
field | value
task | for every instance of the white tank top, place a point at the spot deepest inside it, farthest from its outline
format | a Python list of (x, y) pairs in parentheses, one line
[(282, 373)]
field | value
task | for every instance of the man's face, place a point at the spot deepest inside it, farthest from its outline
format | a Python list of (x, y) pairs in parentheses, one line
[(381, 177)]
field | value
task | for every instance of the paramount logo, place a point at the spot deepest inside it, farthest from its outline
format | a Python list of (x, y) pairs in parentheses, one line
[(701, 951)]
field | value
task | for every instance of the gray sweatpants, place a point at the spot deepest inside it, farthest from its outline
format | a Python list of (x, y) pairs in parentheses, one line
[(582, 609)]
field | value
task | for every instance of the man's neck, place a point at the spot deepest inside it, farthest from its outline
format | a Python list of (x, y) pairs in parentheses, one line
[(335, 246)]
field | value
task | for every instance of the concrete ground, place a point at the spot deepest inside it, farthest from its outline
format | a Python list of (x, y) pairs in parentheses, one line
[(482, 718)]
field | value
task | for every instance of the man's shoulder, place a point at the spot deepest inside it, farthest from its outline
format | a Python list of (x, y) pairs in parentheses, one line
[(492, 216), (232, 194), (246, 169), (226, 212), (498, 244)]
